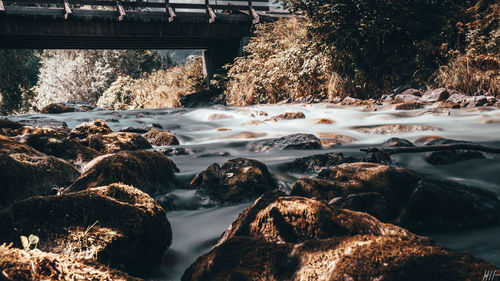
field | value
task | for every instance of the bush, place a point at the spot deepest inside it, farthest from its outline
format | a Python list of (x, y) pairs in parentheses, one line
[(282, 63), (162, 88), (84, 75), (379, 44), (477, 70)]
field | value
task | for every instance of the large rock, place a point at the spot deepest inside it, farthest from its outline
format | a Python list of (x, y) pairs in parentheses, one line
[(446, 157), (435, 95), (410, 199), (117, 225), (83, 131), (151, 172), (8, 124), (410, 105), (54, 142), (161, 138), (329, 139), (316, 162), (28, 265), (56, 108), (293, 238), (237, 180), (114, 142), (294, 141), (26, 172), (287, 116), (406, 97), (396, 129)]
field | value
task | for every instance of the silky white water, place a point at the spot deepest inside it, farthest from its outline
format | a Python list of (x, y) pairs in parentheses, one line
[(197, 226)]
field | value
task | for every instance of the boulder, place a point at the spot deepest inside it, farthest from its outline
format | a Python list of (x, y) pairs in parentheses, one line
[(84, 131), (142, 129), (117, 225), (294, 141), (8, 124), (317, 162), (396, 129), (294, 238), (458, 98), (360, 257), (252, 113), (410, 105), (161, 138), (54, 142), (323, 121), (287, 116), (56, 108), (294, 219), (446, 157), (237, 180), (114, 142), (218, 116), (445, 104), (412, 200), (411, 91), (151, 172), (28, 265), (329, 139), (435, 112), (403, 98), (353, 101), (435, 95), (26, 172), (397, 142)]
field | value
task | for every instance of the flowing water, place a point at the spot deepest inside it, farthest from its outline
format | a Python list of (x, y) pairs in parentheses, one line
[(197, 225)]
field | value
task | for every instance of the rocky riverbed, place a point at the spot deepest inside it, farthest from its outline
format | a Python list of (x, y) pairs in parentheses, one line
[(269, 192)]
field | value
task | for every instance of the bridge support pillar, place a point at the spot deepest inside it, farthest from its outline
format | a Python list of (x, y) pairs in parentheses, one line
[(215, 57)]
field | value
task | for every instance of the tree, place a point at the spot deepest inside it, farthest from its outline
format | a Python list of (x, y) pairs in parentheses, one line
[(380, 44), (18, 73)]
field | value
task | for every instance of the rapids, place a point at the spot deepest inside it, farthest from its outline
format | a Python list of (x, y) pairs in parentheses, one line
[(197, 225)]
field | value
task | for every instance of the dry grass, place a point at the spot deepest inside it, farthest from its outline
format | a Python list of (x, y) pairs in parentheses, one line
[(282, 63), (17, 264)]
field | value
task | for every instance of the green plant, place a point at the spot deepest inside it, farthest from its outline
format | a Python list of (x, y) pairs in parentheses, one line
[(27, 242), (89, 228)]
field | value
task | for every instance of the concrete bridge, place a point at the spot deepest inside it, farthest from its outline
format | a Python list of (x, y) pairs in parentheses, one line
[(217, 27)]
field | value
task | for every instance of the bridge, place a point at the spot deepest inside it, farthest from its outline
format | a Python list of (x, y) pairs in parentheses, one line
[(217, 27)]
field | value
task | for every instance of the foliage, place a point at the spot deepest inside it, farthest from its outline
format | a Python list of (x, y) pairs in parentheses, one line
[(379, 44), (84, 75), (281, 63), (18, 73), (27, 242), (477, 70), (162, 88)]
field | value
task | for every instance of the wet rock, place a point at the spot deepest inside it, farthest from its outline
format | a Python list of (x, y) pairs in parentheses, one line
[(114, 142), (151, 172), (54, 142), (85, 130), (56, 108), (405, 192), (252, 113), (369, 108), (8, 124), (353, 101), (44, 123), (480, 101), (26, 172), (435, 112), (450, 156), (116, 225), (218, 116), (294, 219), (215, 154), (403, 98), (328, 139), (397, 142), (294, 141), (142, 129), (161, 138), (223, 129), (316, 162), (170, 151), (324, 121), (458, 98), (426, 139), (22, 265), (410, 105), (396, 129), (237, 180), (370, 202), (445, 104), (411, 91), (287, 116), (435, 95), (360, 257)]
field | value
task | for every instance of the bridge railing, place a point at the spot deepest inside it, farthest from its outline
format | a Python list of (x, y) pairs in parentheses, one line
[(171, 8)]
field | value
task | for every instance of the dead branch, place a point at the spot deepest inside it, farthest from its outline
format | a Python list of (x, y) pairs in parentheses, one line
[(429, 148)]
